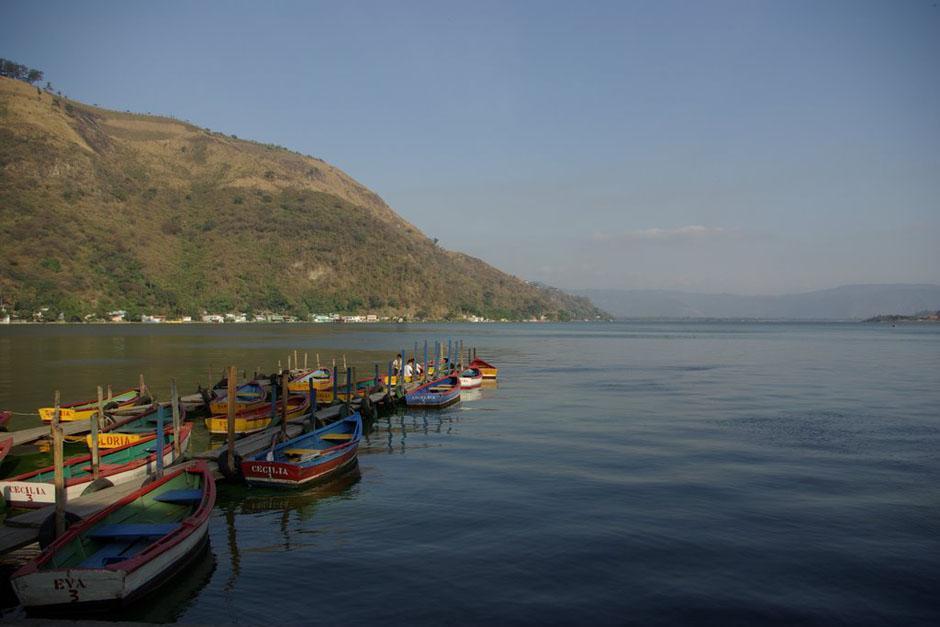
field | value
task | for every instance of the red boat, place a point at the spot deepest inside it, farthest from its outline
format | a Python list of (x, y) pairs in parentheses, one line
[(5, 447), (4, 419)]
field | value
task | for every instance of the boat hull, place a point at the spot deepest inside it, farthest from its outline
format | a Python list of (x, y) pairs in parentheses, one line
[(86, 409), (33, 494), (436, 394), (88, 588), (283, 475)]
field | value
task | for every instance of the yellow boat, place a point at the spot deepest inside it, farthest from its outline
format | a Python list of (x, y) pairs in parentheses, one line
[(322, 380), (130, 426), (86, 409), (247, 396), (256, 419), (488, 371)]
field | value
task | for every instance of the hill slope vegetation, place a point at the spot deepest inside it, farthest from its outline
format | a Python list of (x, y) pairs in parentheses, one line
[(104, 210)]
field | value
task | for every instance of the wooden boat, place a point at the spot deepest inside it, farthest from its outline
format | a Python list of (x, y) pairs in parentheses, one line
[(438, 393), (488, 371), (86, 409), (254, 419), (5, 447), (315, 456), (300, 384), (124, 551), (471, 378), (247, 395), (5, 419), (119, 465), (200, 401), (121, 430)]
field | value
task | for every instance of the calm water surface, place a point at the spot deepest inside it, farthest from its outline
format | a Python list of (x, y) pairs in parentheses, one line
[(648, 473)]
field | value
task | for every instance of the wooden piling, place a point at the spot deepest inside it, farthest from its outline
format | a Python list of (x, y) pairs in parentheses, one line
[(97, 421), (58, 462), (288, 362), (141, 387), (231, 418), (335, 383), (424, 373), (305, 361), (160, 442), (460, 357), (285, 379), (312, 395), (318, 361), (348, 386), (110, 395), (296, 363), (175, 403)]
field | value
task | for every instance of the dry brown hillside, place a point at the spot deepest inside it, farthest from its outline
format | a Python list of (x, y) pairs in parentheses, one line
[(101, 210)]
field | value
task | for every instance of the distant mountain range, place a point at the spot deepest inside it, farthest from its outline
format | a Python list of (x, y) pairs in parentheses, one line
[(849, 302)]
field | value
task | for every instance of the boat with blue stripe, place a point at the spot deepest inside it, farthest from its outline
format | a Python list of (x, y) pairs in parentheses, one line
[(438, 393)]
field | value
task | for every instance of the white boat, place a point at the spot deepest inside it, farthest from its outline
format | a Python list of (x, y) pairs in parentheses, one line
[(132, 462), (471, 378), (124, 551)]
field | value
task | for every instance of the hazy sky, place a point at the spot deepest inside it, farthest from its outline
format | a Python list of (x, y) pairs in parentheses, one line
[(746, 146)]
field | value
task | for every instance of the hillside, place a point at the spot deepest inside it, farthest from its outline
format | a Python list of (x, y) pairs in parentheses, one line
[(102, 210), (848, 302)]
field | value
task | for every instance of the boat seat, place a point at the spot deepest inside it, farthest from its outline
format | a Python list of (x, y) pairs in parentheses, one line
[(182, 496), (301, 452), (133, 530), (109, 554), (336, 436)]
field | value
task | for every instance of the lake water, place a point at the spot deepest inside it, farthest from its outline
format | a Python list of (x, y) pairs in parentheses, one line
[(649, 473)]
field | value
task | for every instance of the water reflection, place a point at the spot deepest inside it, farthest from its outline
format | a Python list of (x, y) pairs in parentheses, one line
[(390, 434)]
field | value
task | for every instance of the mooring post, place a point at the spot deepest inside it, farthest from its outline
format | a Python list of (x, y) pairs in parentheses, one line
[(288, 362), (279, 368), (296, 363), (312, 395), (335, 384), (142, 388), (285, 394), (318, 361), (424, 370), (375, 374), (305, 360), (231, 419), (388, 379), (401, 371), (348, 386), (96, 422), (460, 357), (175, 404), (110, 395), (58, 461), (273, 400), (344, 361), (160, 442), (474, 353)]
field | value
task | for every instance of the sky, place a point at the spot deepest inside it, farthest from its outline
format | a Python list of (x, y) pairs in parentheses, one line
[(724, 146)]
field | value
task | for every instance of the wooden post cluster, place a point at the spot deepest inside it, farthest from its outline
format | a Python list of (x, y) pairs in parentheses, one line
[(231, 417), (58, 461)]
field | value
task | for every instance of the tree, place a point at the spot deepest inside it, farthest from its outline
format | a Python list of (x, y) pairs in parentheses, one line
[(33, 76)]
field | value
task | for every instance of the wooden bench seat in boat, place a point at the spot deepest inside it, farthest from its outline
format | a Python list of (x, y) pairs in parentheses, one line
[(182, 496), (336, 437), (301, 453), (103, 467), (132, 530), (109, 554)]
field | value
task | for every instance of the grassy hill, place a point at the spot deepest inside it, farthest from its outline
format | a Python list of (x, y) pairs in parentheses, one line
[(102, 210)]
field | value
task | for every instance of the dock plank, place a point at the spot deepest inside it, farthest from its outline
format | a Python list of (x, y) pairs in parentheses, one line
[(25, 436)]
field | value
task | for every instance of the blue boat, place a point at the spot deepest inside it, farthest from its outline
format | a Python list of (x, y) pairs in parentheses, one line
[(315, 456), (438, 393)]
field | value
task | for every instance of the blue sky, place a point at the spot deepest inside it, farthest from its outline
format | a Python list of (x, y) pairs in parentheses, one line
[(756, 147)]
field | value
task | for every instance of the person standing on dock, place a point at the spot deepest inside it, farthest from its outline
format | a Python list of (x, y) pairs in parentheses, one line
[(409, 369), (396, 364)]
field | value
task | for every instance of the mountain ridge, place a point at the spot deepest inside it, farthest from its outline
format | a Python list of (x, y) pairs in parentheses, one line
[(846, 302), (106, 210)]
